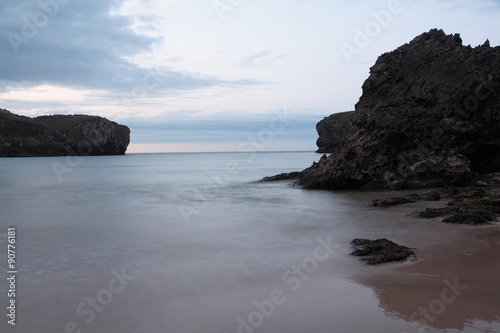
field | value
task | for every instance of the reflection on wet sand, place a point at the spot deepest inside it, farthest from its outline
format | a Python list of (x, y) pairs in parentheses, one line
[(453, 286)]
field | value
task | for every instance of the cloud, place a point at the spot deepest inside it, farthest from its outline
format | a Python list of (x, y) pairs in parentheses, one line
[(261, 59), (81, 45), (194, 126), (480, 8)]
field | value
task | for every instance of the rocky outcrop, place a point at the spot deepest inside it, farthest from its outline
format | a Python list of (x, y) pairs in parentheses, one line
[(464, 205), (428, 117), (333, 131), (379, 251), (281, 176), (384, 203), (470, 205), (60, 135)]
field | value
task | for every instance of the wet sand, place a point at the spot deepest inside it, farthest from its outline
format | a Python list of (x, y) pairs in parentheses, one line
[(220, 273), (453, 286)]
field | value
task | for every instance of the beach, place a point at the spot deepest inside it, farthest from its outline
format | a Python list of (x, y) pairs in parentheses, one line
[(161, 243)]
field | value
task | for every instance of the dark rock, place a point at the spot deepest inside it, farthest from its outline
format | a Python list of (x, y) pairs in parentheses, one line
[(333, 131), (380, 251), (60, 135), (428, 117), (430, 213), (281, 176), (390, 202), (489, 179), (473, 217), (430, 196), (469, 206), (468, 192), (288, 175)]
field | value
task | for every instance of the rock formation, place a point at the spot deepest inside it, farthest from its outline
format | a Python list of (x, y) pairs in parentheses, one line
[(465, 205), (60, 135), (379, 251), (428, 117), (333, 131)]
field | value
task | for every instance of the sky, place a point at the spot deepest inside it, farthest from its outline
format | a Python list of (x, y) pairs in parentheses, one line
[(212, 75)]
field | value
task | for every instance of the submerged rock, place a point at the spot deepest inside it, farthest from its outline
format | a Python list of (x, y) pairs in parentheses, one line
[(428, 117), (60, 135), (380, 251)]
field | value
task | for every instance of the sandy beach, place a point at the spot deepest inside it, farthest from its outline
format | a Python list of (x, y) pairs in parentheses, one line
[(258, 258), (453, 285)]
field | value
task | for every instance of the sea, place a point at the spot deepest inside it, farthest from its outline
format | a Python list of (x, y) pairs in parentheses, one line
[(194, 242)]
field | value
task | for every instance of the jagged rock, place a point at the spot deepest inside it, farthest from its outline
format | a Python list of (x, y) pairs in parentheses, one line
[(60, 135), (469, 206), (380, 251), (333, 131), (428, 117), (281, 176)]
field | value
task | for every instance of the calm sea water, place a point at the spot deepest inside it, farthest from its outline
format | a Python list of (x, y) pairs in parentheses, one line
[(189, 243)]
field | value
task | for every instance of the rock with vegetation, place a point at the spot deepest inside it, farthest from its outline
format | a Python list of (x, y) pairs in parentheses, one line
[(468, 206), (465, 205), (333, 131), (428, 117), (375, 252), (60, 135)]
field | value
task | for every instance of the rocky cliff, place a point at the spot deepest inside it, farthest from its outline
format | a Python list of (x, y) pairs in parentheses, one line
[(60, 135), (429, 116), (333, 131)]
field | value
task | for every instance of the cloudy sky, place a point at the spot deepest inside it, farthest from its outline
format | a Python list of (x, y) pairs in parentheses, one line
[(205, 75)]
